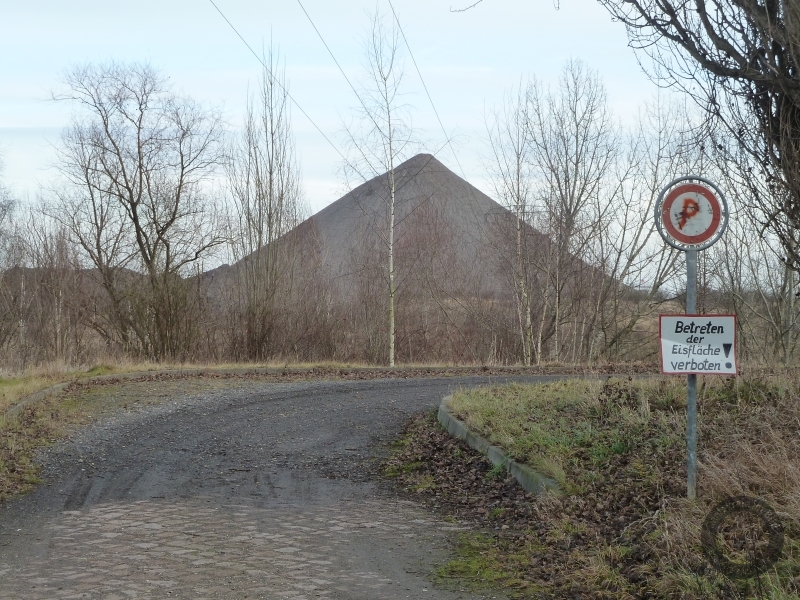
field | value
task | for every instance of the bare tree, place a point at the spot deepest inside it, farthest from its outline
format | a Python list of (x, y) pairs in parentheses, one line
[(58, 301), (551, 156), (511, 166), (380, 139), (574, 148), (756, 274), (264, 181), (8, 300), (135, 161), (758, 287), (741, 59), (587, 263), (639, 265)]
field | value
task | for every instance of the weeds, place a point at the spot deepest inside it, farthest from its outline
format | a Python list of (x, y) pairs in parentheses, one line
[(624, 528), (496, 471), (33, 427)]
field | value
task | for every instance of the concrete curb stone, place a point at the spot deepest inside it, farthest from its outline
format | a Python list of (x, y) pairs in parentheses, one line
[(530, 480), (36, 397)]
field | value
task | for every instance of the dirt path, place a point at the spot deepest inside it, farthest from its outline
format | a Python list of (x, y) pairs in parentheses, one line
[(253, 491)]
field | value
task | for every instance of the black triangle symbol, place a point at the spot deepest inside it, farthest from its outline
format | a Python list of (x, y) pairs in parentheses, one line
[(727, 349)]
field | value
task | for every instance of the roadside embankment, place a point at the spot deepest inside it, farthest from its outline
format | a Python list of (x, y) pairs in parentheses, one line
[(622, 526)]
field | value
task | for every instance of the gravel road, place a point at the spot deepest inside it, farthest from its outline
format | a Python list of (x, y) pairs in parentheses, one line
[(261, 490)]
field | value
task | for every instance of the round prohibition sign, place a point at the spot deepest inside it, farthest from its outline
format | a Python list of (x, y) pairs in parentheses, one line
[(691, 213)]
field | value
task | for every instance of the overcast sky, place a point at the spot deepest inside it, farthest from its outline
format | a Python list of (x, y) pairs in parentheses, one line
[(467, 60)]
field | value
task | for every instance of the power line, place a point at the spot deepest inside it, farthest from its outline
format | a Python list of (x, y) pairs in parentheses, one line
[(276, 81), (456, 10), (349, 83), (300, 108), (367, 112), (430, 99), (414, 60), (448, 142), (324, 43)]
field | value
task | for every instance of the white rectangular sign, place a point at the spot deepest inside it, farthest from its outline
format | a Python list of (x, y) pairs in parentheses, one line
[(698, 344)]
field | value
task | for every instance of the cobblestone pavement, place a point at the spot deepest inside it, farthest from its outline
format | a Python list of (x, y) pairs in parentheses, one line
[(263, 491), (198, 550)]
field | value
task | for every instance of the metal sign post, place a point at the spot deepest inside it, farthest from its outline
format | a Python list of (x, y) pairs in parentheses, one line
[(691, 383), (691, 214)]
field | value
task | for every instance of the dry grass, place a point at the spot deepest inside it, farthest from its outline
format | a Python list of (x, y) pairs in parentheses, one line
[(620, 445), (34, 427), (16, 386)]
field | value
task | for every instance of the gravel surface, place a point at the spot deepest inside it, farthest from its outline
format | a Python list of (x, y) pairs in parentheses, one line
[(259, 490)]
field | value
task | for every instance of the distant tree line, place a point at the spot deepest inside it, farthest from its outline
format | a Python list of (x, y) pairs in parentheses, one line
[(114, 261)]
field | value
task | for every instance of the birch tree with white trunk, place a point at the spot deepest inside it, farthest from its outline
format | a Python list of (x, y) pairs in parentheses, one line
[(379, 139), (510, 165)]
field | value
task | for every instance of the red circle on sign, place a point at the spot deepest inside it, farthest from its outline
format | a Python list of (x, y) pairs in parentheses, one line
[(691, 213)]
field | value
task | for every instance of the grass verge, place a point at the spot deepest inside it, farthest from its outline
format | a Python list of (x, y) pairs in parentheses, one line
[(623, 528), (35, 426)]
